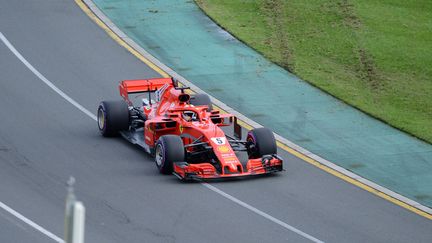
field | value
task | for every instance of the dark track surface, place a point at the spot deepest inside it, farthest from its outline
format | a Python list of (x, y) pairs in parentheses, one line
[(44, 140)]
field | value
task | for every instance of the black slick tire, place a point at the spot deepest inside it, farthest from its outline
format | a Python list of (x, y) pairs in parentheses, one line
[(261, 141), (169, 149), (112, 117), (202, 99)]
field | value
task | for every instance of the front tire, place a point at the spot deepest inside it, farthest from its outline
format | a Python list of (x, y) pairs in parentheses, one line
[(260, 142), (169, 149), (112, 117)]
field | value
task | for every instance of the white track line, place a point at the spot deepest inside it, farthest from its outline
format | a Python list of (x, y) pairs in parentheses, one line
[(31, 223), (261, 213), (210, 187), (45, 80), (2, 205)]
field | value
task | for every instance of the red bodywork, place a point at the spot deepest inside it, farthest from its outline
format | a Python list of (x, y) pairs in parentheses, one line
[(164, 117)]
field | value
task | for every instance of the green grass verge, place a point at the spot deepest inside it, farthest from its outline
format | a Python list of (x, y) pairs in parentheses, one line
[(375, 55)]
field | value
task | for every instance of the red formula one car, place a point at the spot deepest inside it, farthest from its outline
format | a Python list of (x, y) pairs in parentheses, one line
[(184, 133)]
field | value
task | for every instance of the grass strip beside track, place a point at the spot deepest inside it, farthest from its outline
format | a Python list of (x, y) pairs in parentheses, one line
[(375, 55)]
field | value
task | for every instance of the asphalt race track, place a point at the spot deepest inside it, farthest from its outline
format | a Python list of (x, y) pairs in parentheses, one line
[(44, 139)]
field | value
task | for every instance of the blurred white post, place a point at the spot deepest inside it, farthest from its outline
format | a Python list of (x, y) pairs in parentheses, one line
[(74, 216)]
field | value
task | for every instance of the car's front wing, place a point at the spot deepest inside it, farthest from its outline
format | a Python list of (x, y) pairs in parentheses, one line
[(203, 171)]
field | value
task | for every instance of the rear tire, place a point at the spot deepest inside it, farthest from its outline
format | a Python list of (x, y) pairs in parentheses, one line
[(113, 116), (202, 99), (261, 141), (169, 149)]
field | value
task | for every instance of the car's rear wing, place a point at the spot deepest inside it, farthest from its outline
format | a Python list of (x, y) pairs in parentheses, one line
[(127, 87)]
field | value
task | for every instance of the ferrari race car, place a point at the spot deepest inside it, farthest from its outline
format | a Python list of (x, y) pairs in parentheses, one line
[(184, 133)]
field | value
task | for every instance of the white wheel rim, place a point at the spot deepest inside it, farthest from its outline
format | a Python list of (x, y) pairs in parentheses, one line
[(159, 155), (101, 119)]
